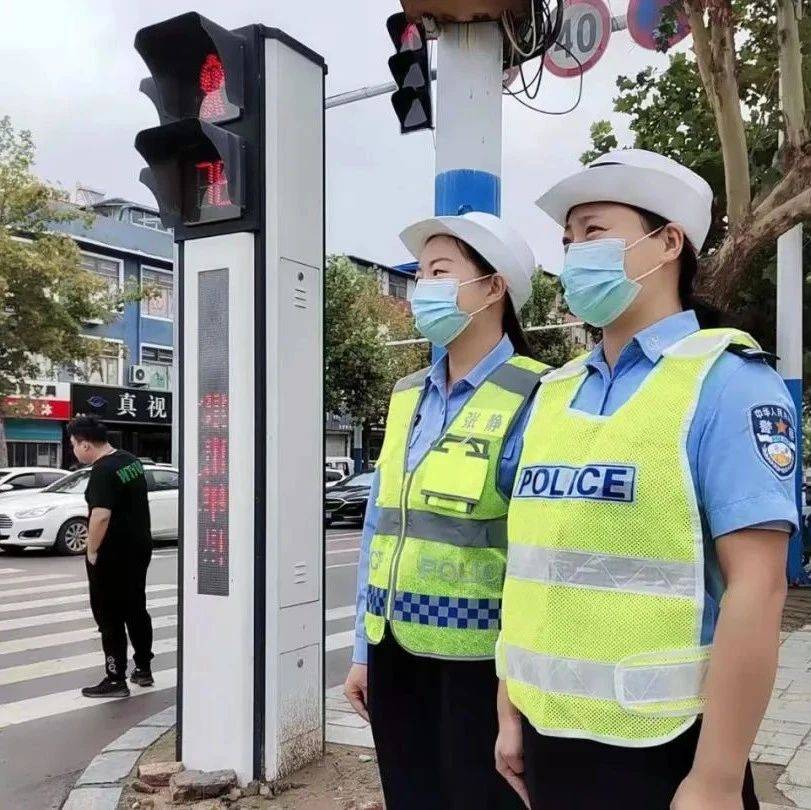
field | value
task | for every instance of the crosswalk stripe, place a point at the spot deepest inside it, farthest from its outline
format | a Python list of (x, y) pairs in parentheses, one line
[(339, 641), (11, 570), (54, 586), (71, 663), (27, 643), (38, 578), (11, 607), (343, 612), (343, 551), (23, 711), (45, 619)]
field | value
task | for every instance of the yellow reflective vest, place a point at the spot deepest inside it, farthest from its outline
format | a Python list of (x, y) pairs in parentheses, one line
[(604, 591), (436, 562)]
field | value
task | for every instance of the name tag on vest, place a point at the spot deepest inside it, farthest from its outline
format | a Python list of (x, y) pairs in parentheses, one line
[(595, 482)]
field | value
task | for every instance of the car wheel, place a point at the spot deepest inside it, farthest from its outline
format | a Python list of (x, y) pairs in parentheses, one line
[(13, 551), (72, 537)]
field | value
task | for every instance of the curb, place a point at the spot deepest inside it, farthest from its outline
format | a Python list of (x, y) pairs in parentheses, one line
[(100, 785)]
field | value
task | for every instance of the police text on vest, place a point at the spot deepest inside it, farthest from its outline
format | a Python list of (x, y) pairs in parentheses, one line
[(598, 482)]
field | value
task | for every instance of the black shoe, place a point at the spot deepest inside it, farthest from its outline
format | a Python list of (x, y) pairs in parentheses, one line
[(142, 677), (107, 688)]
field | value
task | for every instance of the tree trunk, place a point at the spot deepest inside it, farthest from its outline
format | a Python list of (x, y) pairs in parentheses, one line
[(792, 98), (3, 445), (365, 441), (714, 47)]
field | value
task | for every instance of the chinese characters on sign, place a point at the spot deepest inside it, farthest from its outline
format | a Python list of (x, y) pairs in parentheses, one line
[(123, 405), (212, 434)]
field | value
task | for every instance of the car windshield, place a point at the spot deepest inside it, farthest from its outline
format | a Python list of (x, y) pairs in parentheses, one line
[(74, 484), (361, 480)]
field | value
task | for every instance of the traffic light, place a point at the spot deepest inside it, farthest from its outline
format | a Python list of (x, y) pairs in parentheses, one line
[(204, 157), (412, 74)]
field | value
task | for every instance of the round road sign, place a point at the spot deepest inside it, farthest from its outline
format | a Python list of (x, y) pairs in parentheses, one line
[(584, 34), (644, 17)]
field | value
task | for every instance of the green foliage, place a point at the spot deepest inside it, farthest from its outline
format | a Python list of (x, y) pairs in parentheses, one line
[(359, 369), (603, 140), (47, 297), (551, 346)]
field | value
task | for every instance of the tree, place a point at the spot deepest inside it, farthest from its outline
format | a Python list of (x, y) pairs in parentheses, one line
[(360, 370), (552, 346), (47, 296), (718, 109)]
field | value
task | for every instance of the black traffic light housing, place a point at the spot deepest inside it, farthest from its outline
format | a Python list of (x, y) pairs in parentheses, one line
[(204, 159), (411, 70)]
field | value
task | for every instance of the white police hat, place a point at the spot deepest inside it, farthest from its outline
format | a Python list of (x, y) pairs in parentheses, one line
[(502, 246), (640, 178)]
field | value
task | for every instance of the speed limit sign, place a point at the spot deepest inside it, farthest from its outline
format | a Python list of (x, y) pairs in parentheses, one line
[(583, 38)]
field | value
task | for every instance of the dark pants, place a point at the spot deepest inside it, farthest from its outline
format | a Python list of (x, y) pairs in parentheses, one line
[(570, 774), (434, 725), (118, 603)]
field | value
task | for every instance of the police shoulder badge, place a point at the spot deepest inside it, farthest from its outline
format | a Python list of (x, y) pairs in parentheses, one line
[(775, 437)]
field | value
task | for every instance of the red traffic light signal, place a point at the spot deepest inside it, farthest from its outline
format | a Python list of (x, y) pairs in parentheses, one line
[(412, 73)]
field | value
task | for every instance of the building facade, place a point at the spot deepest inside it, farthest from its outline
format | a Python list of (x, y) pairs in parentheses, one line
[(127, 247)]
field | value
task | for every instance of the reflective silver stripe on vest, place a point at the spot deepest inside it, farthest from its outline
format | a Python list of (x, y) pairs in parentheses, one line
[(593, 679), (514, 379), (454, 531), (590, 570), (415, 380)]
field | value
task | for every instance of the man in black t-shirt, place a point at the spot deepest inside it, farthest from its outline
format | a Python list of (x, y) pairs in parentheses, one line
[(119, 548)]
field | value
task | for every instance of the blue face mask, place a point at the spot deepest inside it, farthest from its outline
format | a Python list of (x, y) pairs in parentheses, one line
[(596, 286), (436, 310)]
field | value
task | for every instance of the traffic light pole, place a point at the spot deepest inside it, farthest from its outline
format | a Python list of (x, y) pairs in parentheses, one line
[(469, 109), (237, 167)]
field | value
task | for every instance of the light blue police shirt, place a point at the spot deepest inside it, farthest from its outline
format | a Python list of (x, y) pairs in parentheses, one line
[(437, 409), (738, 484)]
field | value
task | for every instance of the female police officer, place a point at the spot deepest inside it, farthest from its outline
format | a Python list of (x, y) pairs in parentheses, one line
[(655, 478), (434, 542)]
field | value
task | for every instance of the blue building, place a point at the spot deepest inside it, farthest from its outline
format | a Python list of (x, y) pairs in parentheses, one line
[(131, 385)]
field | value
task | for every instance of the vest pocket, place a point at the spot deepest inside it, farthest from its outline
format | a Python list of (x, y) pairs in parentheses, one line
[(455, 473), (663, 683)]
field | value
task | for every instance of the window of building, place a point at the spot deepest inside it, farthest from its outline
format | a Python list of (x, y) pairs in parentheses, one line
[(104, 370), (33, 454), (162, 304), (107, 269), (398, 287), (145, 219), (158, 363)]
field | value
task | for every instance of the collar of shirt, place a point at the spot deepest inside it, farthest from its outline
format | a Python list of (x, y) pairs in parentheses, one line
[(650, 342), (497, 356)]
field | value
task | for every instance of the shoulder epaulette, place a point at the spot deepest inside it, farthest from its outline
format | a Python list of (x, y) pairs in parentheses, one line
[(751, 353)]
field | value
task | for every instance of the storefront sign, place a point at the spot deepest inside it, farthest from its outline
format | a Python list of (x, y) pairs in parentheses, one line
[(40, 400), (122, 405)]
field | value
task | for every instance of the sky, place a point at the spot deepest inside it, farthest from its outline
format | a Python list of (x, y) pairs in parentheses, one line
[(71, 74)]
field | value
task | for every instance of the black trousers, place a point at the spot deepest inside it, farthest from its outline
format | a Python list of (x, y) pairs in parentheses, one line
[(434, 725), (118, 603), (570, 774)]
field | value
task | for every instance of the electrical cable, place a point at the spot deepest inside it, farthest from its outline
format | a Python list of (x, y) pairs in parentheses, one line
[(517, 97)]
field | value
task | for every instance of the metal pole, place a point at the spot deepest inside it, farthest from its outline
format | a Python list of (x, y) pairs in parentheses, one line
[(790, 364)]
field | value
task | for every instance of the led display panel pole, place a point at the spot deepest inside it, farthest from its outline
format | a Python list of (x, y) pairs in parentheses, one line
[(237, 166)]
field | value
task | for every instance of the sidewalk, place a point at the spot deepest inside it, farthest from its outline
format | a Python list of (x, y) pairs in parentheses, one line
[(344, 726)]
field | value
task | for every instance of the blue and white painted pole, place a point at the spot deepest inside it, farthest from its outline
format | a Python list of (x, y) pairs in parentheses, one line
[(790, 365), (468, 121)]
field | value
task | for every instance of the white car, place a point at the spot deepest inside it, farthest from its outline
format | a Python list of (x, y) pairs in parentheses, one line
[(56, 517), (25, 479)]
